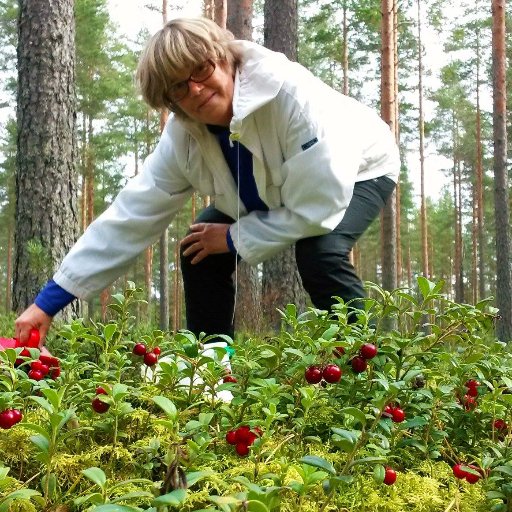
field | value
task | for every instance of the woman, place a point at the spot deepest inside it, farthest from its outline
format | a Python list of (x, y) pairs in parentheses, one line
[(286, 159)]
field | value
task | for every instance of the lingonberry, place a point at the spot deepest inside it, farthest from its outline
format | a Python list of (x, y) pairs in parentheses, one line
[(331, 373), (471, 477), (368, 351), (313, 374), (472, 391), (139, 349), (398, 415), (150, 358), (500, 424), (338, 351), (7, 419), (157, 351), (243, 434), (229, 378), (17, 415), (99, 406), (35, 374), (242, 449), (33, 338), (100, 390), (389, 476), (358, 364), (388, 411), (458, 472), (231, 437)]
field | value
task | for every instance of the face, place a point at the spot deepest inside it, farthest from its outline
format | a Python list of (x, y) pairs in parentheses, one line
[(210, 102)]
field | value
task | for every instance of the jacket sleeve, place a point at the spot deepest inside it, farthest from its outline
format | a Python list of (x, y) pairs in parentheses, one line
[(319, 171), (137, 217)]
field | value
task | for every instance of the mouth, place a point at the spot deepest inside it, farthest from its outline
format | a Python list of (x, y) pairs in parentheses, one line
[(206, 101)]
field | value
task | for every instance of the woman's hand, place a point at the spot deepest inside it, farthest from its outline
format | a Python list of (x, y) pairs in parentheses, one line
[(204, 240), (32, 318)]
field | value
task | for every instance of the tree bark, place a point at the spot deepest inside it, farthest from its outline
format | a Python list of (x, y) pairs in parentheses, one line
[(388, 113), (281, 281), (239, 18), (501, 191), (46, 181)]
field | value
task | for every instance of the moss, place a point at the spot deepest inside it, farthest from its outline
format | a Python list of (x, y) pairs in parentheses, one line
[(21, 506)]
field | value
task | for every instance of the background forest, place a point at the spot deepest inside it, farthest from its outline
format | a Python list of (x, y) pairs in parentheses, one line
[(445, 109)]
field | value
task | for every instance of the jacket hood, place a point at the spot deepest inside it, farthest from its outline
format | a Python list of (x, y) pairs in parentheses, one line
[(260, 76)]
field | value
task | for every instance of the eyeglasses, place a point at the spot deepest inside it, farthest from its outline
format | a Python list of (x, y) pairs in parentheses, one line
[(199, 74)]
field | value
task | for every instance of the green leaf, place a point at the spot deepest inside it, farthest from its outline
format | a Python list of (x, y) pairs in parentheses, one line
[(36, 428), (256, 506), (115, 508), (365, 460), (504, 469), (356, 413), (22, 494), (318, 462), (42, 442), (173, 498), (167, 406), (43, 403), (379, 472), (196, 476), (96, 475), (425, 286)]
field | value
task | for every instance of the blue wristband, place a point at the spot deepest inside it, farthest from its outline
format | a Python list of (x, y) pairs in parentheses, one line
[(230, 243), (52, 298)]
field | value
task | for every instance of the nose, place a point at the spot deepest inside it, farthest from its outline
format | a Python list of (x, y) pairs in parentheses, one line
[(195, 88)]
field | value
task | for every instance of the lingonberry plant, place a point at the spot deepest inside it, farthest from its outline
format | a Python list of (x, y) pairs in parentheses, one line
[(414, 394)]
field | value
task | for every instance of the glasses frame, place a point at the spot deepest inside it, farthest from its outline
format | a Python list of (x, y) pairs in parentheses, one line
[(174, 99)]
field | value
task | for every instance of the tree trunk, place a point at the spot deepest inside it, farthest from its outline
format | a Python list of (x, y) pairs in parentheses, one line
[(248, 311), (388, 217), (239, 18), (423, 210), (281, 281), (46, 181), (8, 277), (501, 193)]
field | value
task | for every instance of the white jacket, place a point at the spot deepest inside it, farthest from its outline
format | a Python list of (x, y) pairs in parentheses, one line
[(310, 144)]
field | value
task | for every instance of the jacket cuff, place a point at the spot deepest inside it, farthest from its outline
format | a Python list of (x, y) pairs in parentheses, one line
[(231, 245)]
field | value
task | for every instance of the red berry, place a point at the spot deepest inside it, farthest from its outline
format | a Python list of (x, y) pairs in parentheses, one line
[(500, 424), (389, 476), (313, 375), (469, 402), (359, 364), (243, 434), (470, 477), (33, 339), (99, 406), (368, 351), (331, 373), (55, 373), (472, 391), (37, 365), (100, 390), (35, 374), (229, 378), (17, 415), (458, 472), (157, 351), (7, 419), (242, 449), (388, 411), (398, 415), (150, 358), (339, 351), (472, 383), (49, 361), (139, 349), (231, 437)]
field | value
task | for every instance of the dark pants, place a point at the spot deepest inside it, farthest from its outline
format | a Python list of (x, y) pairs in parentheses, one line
[(323, 263)]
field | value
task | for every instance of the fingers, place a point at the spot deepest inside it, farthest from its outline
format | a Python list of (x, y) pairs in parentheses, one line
[(32, 318)]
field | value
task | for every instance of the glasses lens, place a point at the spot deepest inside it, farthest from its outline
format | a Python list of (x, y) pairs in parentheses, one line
[(203, 71), (178, 91)]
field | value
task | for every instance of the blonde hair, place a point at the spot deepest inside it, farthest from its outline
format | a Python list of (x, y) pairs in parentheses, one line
[(175, 50)]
